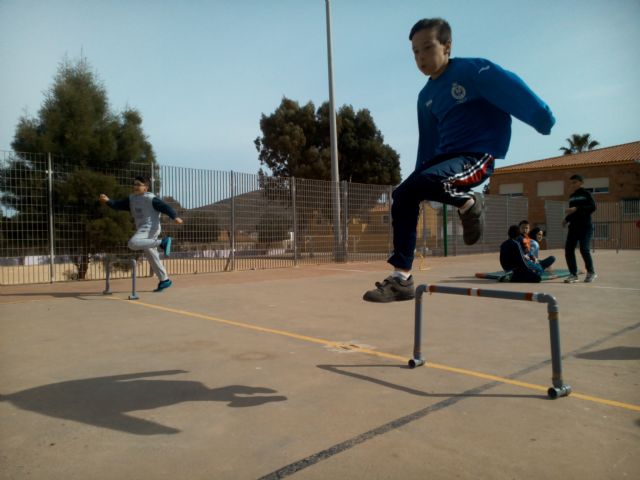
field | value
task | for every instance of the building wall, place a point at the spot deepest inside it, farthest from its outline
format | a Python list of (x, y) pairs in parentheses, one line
[(624, 183)]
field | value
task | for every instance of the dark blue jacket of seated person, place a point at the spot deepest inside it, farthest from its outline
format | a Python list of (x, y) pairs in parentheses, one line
[(513, 259)]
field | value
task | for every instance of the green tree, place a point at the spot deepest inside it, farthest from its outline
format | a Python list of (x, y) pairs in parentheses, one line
[(100, 228), (75, 121), (24, 226), (579, 143), (295, 143), (90, 144)]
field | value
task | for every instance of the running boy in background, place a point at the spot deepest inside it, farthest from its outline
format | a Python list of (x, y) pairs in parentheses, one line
[(145, 208), (464, 123)]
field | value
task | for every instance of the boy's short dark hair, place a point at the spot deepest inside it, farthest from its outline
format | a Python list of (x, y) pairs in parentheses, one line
[(523, 222), (577, 177), (514, 231), (142, 179), (441, 26)]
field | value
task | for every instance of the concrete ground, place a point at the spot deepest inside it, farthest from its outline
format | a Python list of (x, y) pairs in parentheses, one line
[(277, 373)]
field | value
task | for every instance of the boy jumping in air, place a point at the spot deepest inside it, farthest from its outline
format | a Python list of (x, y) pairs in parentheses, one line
[(145, 208), (464, 123)]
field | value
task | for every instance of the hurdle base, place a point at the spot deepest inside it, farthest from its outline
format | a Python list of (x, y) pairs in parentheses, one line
[(107, 292), (134, 297), (416, 362), (556, 392)]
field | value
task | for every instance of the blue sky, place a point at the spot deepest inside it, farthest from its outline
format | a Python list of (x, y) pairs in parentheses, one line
[(202, 72)]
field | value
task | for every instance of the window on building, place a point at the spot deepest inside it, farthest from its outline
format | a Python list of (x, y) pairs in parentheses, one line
[(631, 207), (511, 189), (600, 231), (596, 185), (552, 188)]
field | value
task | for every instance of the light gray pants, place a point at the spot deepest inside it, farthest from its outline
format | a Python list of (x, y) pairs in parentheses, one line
[(146, 239)]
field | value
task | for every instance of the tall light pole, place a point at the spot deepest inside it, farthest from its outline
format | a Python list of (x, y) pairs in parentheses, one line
[(339, 254)]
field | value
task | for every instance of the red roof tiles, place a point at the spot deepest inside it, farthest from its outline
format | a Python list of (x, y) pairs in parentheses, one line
[(619, 154)]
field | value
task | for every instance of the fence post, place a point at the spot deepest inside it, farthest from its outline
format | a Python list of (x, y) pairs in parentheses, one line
[(232, 233), (51, 236), (445, 235), (620, 218), (423, 210), (483, 243), (294, 220), (390, 240), (344, 244), (152, 180)]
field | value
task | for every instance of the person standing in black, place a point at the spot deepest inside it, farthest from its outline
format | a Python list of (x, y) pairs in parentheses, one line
[(581, 206)]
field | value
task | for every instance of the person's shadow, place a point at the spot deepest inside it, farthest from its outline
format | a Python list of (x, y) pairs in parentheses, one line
[(105, 401)]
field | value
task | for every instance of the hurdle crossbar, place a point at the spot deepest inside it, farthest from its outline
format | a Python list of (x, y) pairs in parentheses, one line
[(559, 388), (107, 267)]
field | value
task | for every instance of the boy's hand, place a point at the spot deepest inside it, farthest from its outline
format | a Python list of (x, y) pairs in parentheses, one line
[(103, 198), (178, 220)]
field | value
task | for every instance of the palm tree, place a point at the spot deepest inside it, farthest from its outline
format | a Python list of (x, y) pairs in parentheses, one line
[(579, 143)]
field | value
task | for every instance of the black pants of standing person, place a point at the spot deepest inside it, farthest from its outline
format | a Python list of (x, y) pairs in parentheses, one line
[(579, 236)]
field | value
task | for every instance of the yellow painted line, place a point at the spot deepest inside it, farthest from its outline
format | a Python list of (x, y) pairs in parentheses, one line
[(249, 326), (14, 302), (391, 356), (604, 401), (487, 376)]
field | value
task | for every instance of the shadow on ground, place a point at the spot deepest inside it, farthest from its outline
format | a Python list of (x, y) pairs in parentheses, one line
[(412, 391), (614, 353), (104, 401)]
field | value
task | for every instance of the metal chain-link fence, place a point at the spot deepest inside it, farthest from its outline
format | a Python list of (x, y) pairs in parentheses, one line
[(52, 229), (615, 224)]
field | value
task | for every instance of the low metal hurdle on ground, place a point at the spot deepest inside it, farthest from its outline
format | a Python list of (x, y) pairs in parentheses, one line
[(107, 267), (559, 389)]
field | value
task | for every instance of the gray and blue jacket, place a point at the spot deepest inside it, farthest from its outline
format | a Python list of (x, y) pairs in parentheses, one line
[(145, 209)]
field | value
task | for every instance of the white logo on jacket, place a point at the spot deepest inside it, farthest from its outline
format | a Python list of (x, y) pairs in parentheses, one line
[(458, 92)]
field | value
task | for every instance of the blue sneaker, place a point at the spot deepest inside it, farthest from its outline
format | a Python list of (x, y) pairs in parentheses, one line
[(164, 285), (166, 246)]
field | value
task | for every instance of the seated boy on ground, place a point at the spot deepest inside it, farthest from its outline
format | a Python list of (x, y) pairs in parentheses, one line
[(514, 261)]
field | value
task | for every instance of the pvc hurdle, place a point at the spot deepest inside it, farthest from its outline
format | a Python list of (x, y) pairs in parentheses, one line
[(107, 266), (559, 389)]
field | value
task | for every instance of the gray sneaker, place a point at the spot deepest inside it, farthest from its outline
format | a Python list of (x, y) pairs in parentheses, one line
[(390, 290), (473, 220), (571, 279), (591, 277), (506, 277)]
